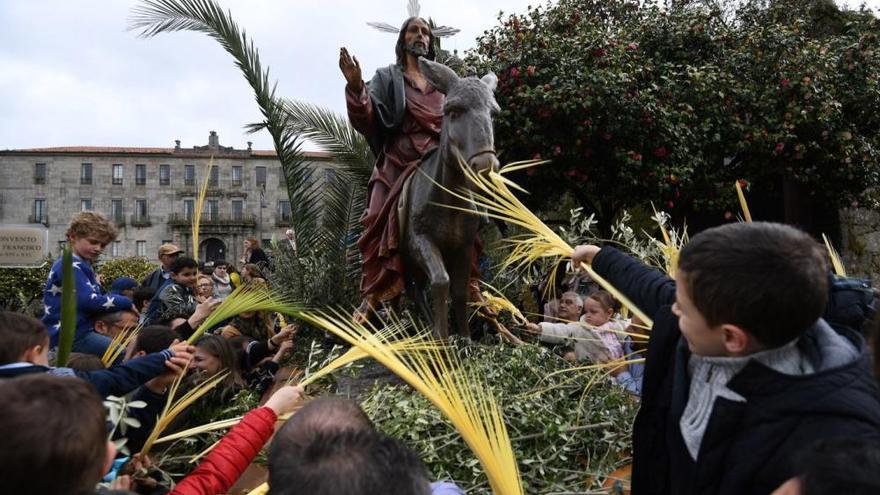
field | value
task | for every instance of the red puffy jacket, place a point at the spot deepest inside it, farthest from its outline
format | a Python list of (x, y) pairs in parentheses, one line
[(223, 466)]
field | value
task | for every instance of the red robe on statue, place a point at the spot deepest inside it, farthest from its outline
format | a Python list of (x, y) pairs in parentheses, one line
[(382, 265)]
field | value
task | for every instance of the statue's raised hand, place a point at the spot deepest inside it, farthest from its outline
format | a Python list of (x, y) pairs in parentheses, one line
[(351, 69)]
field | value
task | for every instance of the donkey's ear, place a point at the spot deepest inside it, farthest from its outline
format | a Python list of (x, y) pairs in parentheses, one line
[(490, 80), (440, 76)]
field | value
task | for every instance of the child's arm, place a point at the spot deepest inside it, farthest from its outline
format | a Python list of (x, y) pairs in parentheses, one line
[(646, 287), (90, 299), (122, 379)]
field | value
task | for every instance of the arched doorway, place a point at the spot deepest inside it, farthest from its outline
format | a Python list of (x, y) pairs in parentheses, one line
[(213, 249)]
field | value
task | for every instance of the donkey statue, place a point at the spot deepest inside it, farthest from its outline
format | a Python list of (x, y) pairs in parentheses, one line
[(437, 242)]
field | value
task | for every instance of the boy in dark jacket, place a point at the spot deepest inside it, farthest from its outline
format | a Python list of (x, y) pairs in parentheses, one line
[(175, 298), (741, 373)]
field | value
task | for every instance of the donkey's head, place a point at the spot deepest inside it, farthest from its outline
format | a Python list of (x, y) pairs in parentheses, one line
[(467, 114)]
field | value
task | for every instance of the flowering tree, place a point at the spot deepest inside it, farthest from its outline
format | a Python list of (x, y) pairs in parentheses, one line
[(634, 101)]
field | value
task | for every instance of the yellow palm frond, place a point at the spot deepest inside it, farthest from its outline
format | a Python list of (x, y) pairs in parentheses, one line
[(459, 395), (836, 262), (490, 193), (200, 203), (742, 202), (245, 299), (173, 407), (496, 301), (119, 343)]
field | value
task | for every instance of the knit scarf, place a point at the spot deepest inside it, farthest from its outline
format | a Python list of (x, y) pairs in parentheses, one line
[(709, 379)]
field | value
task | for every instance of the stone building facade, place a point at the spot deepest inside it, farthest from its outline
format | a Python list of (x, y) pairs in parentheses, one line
[(151, 193)]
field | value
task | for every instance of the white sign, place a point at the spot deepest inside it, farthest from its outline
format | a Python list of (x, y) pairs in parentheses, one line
[(23, 246)]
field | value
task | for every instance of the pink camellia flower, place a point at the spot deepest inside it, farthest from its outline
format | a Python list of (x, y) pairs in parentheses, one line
[(670, 204), (514, 72), (632, 47), (728, 215), (599, 52), (660, 152), (784, 82), (530, 70), (779, 148)]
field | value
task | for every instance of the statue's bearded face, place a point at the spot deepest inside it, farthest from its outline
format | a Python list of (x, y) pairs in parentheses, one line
[(417, 37)]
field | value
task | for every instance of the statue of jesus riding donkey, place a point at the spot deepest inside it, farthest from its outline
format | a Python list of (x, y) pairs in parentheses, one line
[(418, 115)]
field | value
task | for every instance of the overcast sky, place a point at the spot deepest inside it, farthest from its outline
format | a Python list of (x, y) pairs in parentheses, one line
[(71, 74)]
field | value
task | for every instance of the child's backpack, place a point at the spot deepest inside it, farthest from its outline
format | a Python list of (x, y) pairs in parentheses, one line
[(852, 303)]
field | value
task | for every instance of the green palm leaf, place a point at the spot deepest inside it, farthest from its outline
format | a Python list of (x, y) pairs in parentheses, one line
[(160, 16)]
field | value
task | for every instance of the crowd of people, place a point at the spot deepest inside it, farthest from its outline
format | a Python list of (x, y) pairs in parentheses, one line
[(751, 368)]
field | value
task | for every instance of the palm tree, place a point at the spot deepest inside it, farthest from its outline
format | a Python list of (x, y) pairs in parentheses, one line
[(325, 221)]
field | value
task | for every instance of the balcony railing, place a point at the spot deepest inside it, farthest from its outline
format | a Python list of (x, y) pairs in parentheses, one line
[(119, 220), (43, 219), (140, 221), (179, 219)]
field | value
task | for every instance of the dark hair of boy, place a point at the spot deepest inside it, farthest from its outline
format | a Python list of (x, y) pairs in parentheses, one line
[(769, 279), (350, 463), (182, 262), (18, 333), (154, 338), (46, 452), (142, 294), (84, 362), (840, 465)]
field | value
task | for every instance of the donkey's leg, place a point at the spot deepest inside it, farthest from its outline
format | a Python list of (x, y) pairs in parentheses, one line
[(430, 259), (415, 290), (459, 279)]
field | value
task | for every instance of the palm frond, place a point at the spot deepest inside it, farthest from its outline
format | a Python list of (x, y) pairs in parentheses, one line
[(153, 17), (200, 204), (742, 202), (458, 394), (413, 8), (245, 299), (444, 31), (173, 407), (333, 133), (494, 199), (68, 309), (119, 343), (836, 262)]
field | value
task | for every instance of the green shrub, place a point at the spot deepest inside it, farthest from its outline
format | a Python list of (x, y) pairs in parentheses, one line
[(21, 286), (134, 267), (565, 440)]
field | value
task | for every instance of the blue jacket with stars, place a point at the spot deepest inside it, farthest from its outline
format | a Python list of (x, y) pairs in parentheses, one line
[(90, 299)]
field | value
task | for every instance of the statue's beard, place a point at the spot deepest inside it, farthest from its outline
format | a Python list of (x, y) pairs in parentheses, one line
[(417, 50)]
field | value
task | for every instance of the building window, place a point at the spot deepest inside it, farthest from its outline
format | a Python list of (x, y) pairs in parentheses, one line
[(40, 213), (140, 210), (85, 204), (141, 247), (214, 180), (284, 211), (116, 210), (39, 173), (164, 175), (118, 173), (189, 208), (237, 209), (236, 175), (212, 209), (189, 175), (85, 173), (115, 249), (140, 174), (261, 176)]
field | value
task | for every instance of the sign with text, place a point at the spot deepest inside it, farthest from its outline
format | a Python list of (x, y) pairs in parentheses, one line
[(24, 246)]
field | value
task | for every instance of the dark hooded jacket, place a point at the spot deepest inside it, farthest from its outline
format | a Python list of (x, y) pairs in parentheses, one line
[(748, 447)]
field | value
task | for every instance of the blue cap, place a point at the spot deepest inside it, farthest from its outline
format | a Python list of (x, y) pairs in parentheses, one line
[(123, 283)]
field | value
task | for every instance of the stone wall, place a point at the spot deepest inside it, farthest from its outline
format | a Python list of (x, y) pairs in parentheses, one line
[(860, 247)]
